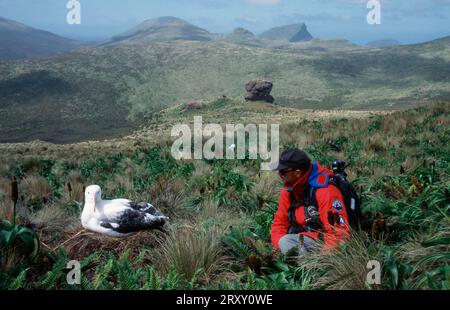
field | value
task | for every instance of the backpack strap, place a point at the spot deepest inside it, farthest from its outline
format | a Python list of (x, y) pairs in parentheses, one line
[(312, 214), (295, 227), (311, 211)]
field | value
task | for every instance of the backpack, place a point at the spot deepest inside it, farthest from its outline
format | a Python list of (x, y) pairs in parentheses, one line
[(312, 216)]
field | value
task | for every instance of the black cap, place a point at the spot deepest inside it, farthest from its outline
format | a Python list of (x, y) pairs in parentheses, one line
[(293, 159)]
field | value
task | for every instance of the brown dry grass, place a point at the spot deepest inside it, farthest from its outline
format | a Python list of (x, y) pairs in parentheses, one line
[(5, 188), (7, 163), (9, 259), (76, 182), (155, 135), (191, 250), (410, 164), (6, 210), (413, 251), (345, 269), (168, 195), (120, 181), (51, 222), (6, 204), (37, 189), (267, 184)]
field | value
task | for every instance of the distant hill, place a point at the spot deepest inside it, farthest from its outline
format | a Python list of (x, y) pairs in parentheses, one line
[(242, 31), (316, 45), (105, 91), (20, 41), (439, 47), (162, 29), (245, 37), (291, 33), (383, 43)]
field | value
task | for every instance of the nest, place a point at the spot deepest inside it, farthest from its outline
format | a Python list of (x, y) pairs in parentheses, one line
[(82, 243)]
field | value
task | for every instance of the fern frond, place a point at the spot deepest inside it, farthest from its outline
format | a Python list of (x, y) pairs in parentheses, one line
[(173, 280), (153, 281), (51, 277), (101, 274), (20, 281)]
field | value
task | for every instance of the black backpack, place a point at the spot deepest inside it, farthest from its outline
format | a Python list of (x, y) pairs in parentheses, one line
[(351, 200)]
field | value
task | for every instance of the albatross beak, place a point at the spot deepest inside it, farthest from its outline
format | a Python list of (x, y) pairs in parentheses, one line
[(92, 201)]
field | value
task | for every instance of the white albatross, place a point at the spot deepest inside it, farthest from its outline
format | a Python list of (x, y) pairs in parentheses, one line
[(119, 217)]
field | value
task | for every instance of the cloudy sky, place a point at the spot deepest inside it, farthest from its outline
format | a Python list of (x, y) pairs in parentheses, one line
[(408, 21)]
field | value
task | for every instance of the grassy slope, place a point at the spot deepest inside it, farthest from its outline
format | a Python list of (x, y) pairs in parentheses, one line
[(406, 207), (20, 41), (111, 86)]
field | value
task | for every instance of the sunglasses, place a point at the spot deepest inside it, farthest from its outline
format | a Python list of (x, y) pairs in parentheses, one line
[(284, 172)]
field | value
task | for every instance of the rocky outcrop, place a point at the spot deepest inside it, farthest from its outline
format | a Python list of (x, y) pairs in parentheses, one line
[(242, 32), (291, 33), (259, 90), (194, 105)]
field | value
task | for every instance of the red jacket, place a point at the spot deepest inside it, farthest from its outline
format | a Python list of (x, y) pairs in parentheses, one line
[(330, 203)]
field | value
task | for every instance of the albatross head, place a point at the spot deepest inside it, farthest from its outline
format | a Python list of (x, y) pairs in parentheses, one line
[(92, 195)]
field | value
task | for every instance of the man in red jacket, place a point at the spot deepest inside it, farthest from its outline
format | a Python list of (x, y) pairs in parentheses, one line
[(310, 208)]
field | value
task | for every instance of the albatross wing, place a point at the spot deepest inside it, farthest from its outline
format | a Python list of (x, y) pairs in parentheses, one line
[(132, 220)]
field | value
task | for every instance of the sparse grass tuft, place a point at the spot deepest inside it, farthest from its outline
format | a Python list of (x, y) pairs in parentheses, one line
[(193, 251), (345, 268), (37, 191)]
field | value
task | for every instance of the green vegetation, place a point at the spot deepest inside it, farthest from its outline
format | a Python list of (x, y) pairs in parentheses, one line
[(162, 29), (221, 211), (105, 91)]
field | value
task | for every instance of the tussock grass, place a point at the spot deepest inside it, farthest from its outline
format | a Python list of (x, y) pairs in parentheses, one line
[(346, 267), (220, 211), (76, 193), (5, 167), (193, 251), (268, 184), (5, 188), (51, 221), (168, 196), (410, 164), (428, 253), (6, 210), (9, 260), (37, 190)]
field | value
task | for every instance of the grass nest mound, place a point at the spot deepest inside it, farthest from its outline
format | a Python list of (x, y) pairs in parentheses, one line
[(82, 243)]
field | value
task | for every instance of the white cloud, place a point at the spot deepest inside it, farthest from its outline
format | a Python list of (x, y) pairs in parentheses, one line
[(264, 2)]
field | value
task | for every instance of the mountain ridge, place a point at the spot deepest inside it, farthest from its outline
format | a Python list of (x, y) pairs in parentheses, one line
[(291, 33), (18, 40), (383, 43), (161, 29)]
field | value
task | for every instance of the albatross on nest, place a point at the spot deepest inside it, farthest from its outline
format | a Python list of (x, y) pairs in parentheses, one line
[(119, 217)]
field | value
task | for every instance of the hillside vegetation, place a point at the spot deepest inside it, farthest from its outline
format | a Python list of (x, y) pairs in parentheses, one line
[(221, 211), (20, 41), (103, 92)]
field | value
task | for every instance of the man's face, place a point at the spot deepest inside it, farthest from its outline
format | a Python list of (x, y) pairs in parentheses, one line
[(290, 176)]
